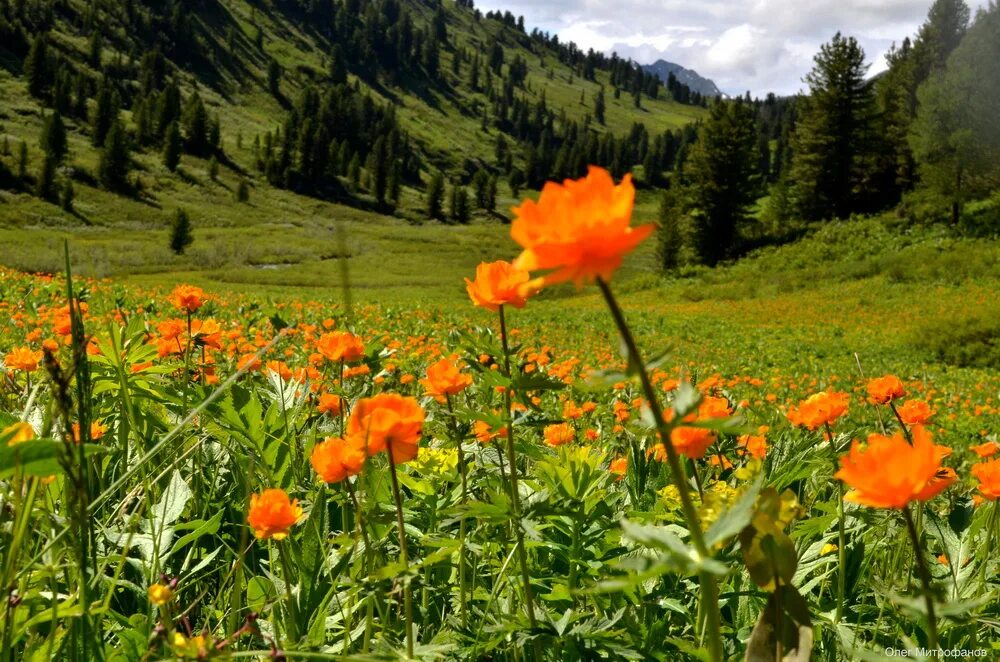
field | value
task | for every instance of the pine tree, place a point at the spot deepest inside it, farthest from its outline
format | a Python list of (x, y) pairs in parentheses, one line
[(172, 147), (53, 139), (721, 172), (955, 135), (116, 159), (66, 199), (834, 140), (599, 106), (435, 197), (459, 207), (196, 126), (181, 235), (22, 161), (45, 184), (105, 112), (37, 68), (274, 78)]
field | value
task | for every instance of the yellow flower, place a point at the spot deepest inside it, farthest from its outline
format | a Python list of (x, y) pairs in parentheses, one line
[(160, 594), (828, 548)]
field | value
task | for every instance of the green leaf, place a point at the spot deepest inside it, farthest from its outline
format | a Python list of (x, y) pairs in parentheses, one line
[(41, 457)]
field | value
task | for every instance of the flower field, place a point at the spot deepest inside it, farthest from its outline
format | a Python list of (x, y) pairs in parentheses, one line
[(203, 475)]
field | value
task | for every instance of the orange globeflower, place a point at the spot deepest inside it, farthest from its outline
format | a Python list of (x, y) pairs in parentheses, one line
[(272, 514), (97, 430), (330, 403), (445, 378), (484, 433), (335, 459), (578, 230), (819, 409), (340, 346), (888, 472), (915, 412), (884, 390), (499, 284), (988, 475), (187, 298), (387, 420), (17, 433), (619, 466), (559, 434), (753, 445), (23, 359), (988, 449)]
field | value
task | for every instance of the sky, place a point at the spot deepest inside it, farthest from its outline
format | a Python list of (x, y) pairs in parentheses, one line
[(757, 45)]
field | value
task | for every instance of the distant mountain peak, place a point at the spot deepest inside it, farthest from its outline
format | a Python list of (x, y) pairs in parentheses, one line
[(704, 86)]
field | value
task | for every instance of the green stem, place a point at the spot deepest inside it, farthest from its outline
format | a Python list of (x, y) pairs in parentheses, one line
[(463, 612), (841, 551), (709, 589), (925, 578), (515, 493), (292, 622), (404, 557)]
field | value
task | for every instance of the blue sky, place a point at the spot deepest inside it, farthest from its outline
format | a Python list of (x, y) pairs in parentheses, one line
[(760, 45)]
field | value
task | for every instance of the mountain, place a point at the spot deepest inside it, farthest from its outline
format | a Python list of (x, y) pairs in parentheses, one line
[(663, 69), (361, 103)]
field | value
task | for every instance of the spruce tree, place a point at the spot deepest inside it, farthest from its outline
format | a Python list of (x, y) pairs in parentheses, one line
[(599, 106), (37, 68), (53, 139), (181, 235), (66, 199), (834, 141), (435, 197), (45, 184), (243, 191), (196, 126), (116, 159), (22, 161), (172, 147), (105, 112), (459, 208), (721, 172)]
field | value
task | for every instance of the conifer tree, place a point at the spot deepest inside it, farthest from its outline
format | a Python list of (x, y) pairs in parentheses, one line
[(435, 197), (116, 159), (172, 147), (37, 68), (181, 235), (53, 139)]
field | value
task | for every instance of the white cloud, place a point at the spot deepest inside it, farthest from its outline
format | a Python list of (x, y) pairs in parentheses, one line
[(760, 45)]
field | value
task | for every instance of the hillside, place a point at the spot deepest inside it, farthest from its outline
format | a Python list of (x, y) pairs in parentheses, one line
[(387, 94)]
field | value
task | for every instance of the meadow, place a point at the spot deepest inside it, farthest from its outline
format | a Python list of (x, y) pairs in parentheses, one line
[(365, 457)]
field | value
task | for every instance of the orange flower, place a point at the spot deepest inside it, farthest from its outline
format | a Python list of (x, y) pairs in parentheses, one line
[(578, 230), (330, 403), (484, 433), (97, 430), (753, 445), (884, 390), (17, 433), (819, 409), (335, 459), (499, 284), (693, 442), (915, 412), (23, 359), (988, 475), (445, 378), (385, 421), (559, 434), (988, 449), (340, 346), (187, 298), (272, 514), (618, 467), (889, 473)]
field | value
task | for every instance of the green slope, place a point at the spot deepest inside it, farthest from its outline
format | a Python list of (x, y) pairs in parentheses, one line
[(114, 235)]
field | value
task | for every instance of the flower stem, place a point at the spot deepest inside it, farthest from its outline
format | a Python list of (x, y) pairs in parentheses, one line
[(463, 612), (404, 557), (925, 578), (709, 590), (841, 552), (515, 498)]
